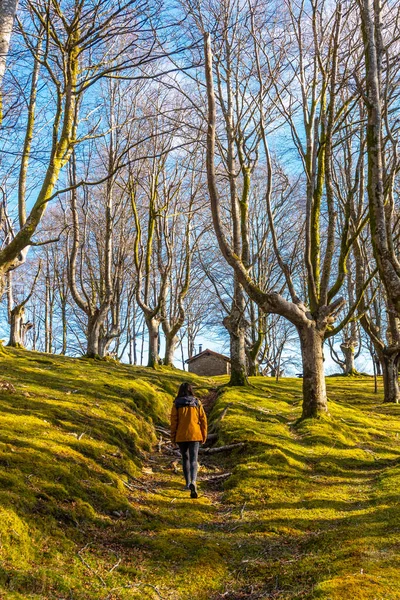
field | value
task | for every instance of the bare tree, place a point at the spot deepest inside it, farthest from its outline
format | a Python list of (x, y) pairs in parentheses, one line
[(18, 326), (181, 241), (380, 97), (73, 47), (320, 110), (381, 69), (155, 185)]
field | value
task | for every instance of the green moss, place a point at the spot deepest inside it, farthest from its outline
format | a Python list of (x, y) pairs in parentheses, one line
[(310, 510), (322, 492)]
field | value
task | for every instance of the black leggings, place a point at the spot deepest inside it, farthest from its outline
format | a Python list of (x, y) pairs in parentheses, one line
[(189, 451)]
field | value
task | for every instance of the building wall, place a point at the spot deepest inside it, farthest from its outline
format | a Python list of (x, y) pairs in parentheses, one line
[(209, 365)]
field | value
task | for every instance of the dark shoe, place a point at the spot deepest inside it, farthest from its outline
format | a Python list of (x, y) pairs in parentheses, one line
[(193, 491), (187, 487)]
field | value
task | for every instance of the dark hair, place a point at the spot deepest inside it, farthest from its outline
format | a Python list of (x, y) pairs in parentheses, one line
[(185, 389)]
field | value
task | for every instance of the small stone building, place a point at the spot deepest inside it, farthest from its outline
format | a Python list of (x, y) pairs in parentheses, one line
[(209, 363)]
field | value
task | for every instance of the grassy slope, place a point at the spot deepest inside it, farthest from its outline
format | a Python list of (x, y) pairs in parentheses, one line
[(72, 431), (322, 503), (311, 510)]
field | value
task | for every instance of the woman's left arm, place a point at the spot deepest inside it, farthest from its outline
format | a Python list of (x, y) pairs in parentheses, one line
[(203, 423)]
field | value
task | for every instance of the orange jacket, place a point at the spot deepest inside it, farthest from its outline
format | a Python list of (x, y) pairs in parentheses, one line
[(188, 421)]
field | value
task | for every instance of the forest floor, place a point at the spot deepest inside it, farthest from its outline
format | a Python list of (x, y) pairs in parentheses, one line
[(92, 503)]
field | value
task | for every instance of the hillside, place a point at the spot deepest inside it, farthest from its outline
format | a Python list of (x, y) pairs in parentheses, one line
[(72, 431), (92, 510)]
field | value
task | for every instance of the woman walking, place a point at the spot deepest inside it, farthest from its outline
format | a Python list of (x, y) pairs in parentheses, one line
[(188, 430)]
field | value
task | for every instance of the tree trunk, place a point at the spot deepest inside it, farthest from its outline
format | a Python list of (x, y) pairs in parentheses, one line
[(142, 347), (253, 365), (64, 328), (390, 369), (253, 350), (170, 345), (182, 356), (18, 329), (236, 325), (191, 350), (153, 326), (105, 340), (16, 324), (93, 336), (133, 339), (104, 345), (314, 390), (378, 366), (48, 336), (8, 9), (3, 282), (375, 377), (35, 327), (238, 360), (349, 365)]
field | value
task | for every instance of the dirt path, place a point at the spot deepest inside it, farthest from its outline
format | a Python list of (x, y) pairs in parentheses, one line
[(166, 459), (204, 527)]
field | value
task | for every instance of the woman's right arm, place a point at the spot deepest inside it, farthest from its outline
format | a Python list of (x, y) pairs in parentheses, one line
[(174, 423)]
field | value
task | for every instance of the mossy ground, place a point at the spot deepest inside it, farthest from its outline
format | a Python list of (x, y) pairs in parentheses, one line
[(91, 510)]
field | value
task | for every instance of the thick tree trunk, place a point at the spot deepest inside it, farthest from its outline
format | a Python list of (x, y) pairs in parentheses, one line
[(390, 369), (254, 347), (16, 322), (153, 326), (106, 338), (93, 336), (170, 345), (348, 353), (104, 345), (314, 389), (236, 325), (18, 329), (253, 365), (238, 359)]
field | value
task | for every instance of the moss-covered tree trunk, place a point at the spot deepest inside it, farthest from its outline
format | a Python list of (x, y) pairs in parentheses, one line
[(314, 389), (257, 324), (349, 354), (253, 365)]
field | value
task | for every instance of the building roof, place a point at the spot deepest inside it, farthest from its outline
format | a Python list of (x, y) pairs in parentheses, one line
[(207, 352)]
